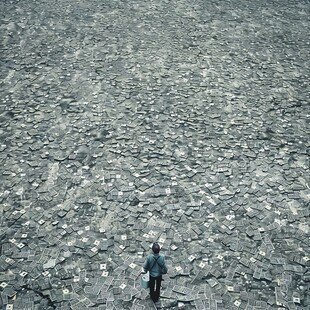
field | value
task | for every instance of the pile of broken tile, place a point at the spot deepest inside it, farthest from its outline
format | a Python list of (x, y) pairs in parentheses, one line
[(179, 122)]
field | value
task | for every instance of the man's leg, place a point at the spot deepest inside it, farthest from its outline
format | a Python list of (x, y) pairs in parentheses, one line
[(157, 290), (152, 287)]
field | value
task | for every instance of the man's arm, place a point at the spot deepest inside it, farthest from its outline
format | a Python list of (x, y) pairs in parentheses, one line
[(165, 268), (146, 265)]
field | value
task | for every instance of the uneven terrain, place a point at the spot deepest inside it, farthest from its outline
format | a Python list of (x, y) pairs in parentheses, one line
[(129, 122)]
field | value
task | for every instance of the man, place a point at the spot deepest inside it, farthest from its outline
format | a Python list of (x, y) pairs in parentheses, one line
[(156, 265)]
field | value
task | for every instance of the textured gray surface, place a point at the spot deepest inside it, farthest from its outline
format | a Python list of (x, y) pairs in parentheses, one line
[(128, 122)]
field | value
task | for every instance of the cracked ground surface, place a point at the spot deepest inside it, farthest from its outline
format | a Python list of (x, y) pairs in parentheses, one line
[(129, 122)]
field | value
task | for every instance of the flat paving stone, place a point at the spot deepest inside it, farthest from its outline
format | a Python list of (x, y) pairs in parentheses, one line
[(125, 123)]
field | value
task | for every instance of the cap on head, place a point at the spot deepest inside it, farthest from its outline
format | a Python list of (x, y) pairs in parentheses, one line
[(155, 248)]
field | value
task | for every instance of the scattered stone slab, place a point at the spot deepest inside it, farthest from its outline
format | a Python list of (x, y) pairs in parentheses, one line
[(128, 123)]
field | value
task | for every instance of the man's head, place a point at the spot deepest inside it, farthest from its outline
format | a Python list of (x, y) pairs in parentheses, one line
[(155, 248)]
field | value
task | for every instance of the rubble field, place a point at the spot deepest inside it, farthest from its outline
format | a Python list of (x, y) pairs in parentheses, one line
[(129, 122)]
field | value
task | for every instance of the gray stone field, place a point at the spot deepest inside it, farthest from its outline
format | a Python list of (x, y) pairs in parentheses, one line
[(128, 122)]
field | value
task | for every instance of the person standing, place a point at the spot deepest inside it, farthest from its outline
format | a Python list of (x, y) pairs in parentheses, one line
[(156, 265)]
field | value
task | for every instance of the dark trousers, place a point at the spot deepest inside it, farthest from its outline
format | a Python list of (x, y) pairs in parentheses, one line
[(155, 287)]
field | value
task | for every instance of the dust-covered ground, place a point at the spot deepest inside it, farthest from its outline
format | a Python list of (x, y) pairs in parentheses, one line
[(129, 122)]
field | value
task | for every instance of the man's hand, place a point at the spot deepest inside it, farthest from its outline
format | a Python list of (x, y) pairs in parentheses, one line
[(143, 271)]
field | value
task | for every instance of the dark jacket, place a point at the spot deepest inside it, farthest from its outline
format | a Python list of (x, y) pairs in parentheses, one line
[(155, 268)]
